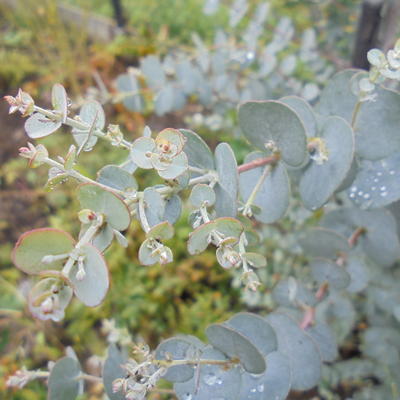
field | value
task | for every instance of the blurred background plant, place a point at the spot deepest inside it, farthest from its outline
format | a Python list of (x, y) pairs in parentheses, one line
[(40, 44)]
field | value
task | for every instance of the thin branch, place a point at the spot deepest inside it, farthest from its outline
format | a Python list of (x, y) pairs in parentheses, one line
[(259, 162)]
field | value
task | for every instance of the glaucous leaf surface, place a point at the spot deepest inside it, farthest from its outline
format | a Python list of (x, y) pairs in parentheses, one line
[(256, 329), (212, 381), (59, 100), (323, 242), (273, 196), (338, 87), (320, 179), (103, 238), (226, 190), (273, 384), (305, 113), (105, 202), (140, 149), (199, 239), (154, 206), (161, 231), (380, 241), (376, 127), (153, 71), (92, 289), (324, 270), (289, 292), (112, 370), (235, 345), (117, 178), (198, 153), (63, 384), (325, 341), (172, 209), (202, 194), (129, 86), (274, 122), (38, 126), (33, 245), (177, 167), (301, 350), (179, 348), (376, 183), (357, 267)]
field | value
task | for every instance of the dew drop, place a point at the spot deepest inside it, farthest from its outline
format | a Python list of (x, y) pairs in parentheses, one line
[(260, 388), (353, 189), (188, 396), (379, 173), (384, 194), (219, 381), (210, 379), (352, 195), (360, 193), (366, 196), (373, 188), (383, 188), (253, 390), (376, 180), (392, 172)]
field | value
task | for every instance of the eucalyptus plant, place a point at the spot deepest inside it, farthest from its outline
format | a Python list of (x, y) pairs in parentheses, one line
[(341, 157)]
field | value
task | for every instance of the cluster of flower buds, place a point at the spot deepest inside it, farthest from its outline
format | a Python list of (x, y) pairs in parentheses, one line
[(20, 378), (387, 66), (36, 155), (164, 153), (22, 102), (141, 377)]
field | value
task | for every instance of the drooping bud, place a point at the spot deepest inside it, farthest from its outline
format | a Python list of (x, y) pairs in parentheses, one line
[(22, 102)]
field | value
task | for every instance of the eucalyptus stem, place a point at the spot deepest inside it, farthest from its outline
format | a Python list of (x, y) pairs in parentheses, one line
[(247, 207), (86, 238), (142, 215), (73, 123), (81, 178)]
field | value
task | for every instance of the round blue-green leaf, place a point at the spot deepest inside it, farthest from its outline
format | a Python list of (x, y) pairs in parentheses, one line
[(38, 126), (377, 183), (325, 341), (173, 208), (235, 345), (154, 206), (202, 194), (289, 292), (377, 126), (272, 121), (63, 384), (129, 86), (323, 242), (321, 178), (140, 149), (92, 289), (337, 97), (229, 227), (112, 370), (304, 111), (179, 348), (211, 381), (198, 153), (162, 231), (256, 329), (301, 350), (177, 167), (226, 190), (164, 99), (324, 270), (92, 114), (59, 100), (272, 198), (117, 178), (33, 245), (153, 71), (358, 268), (105, 202), (146, 256), (103, 238), (273, 384), (379, 242), (199, 238)]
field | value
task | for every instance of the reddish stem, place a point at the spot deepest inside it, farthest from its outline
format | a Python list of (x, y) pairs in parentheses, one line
[(259, 162), (355, 236), (308, 318), (322, 291)]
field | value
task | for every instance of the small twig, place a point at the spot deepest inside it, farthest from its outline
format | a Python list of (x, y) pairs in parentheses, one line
[(356, 235), (259, 162)]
